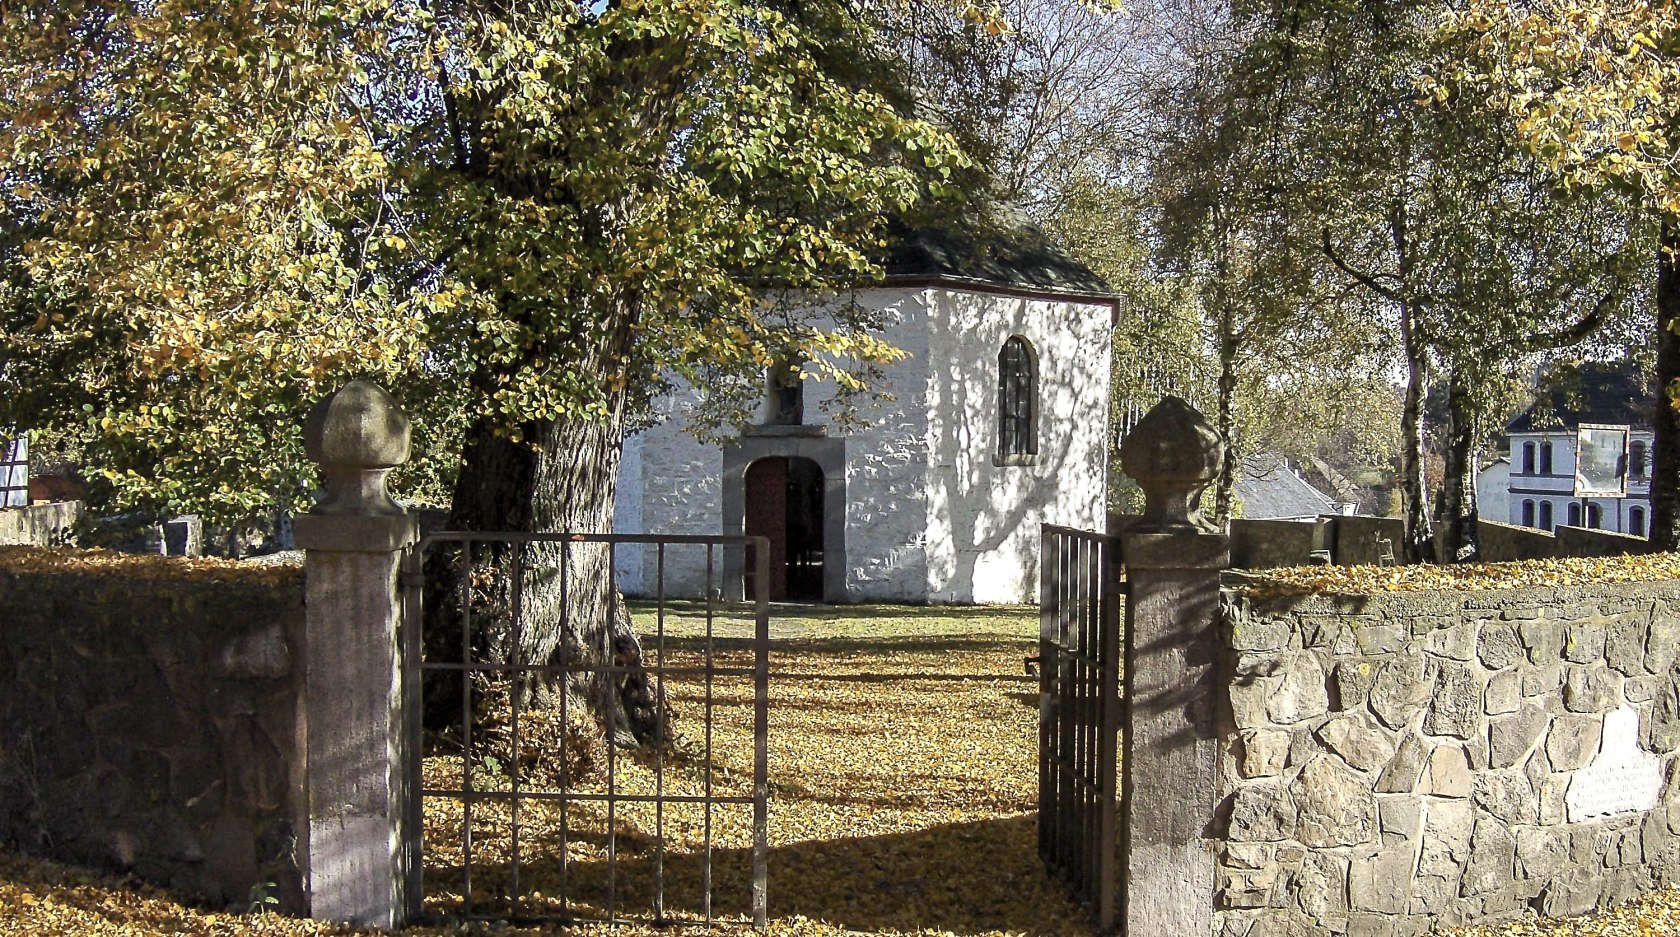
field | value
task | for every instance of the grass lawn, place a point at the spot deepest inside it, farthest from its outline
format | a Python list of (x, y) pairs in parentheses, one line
[(902, 747)]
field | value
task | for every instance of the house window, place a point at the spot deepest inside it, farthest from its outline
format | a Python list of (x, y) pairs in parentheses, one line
[(787, 394), (1636, 521), (1528, 458), (1636, 460), (1017, 402), (1574, 514), (1545, 515), (1595, 517), (1528, 514), (1546, 458)]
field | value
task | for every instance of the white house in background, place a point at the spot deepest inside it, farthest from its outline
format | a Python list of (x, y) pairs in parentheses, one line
[(997, 423), (1542, 458), (1493, 491)]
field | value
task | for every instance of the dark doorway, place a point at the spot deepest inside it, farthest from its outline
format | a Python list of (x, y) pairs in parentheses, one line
[(784, 503)]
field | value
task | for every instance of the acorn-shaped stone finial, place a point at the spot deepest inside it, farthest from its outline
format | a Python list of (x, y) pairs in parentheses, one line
[(357, 435), (1172, 453)]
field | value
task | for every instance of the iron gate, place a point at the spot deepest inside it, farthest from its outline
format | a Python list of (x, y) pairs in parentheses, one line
[(1079, 713), (544, 842)]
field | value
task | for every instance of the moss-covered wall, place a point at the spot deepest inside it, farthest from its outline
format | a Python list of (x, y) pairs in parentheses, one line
[(148, 718)]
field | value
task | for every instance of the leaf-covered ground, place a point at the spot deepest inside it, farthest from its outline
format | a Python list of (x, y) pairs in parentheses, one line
[(901, 756), (1365, 580)]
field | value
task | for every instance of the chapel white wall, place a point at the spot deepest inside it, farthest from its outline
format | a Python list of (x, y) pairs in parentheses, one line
[(983, 528)]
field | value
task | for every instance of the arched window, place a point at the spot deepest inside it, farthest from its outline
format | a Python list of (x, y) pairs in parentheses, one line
[(1545, 515), (1017, 402), (1528, 514), (1528, 458), (1636, 521), (1595, 517), (1546, 458), (1636, 460), (1574, 514)]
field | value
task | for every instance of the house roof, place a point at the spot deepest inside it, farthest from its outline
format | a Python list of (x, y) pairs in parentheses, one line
[(996, 248), (1268, 488), (1588, 393)]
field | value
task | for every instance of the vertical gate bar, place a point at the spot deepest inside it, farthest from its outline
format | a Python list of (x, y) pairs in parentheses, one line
[(1069, 713), (761, 742), (466, 723), (414, 618), (517, 609), (565, 693), (1093, 767), (1046, 598), (1108, 761), (706, 873), (659, 740), (612, 800)]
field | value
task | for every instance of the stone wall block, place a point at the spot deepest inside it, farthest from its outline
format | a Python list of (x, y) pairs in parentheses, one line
[(1583, 642), (1454, 642), (1499, 647), (1591, 689), (1263, 812), (1400, 818), (1573, 741), (1359, 741), (1259, 633), (1624, 646), (1321, 886), (1354, 678), (1662, 728), (1540, 681), (1507, 796), (1570, 895), (1402, 687), (1504, 693), (1382, 883), (1335, 804), (1456, 706), (1511, 738), (1662, 647), (1448, 773), (1403, 772), (1542, 852), (1302, 694), (1265, 752), (1492, 864), (1380, 639), (1543, 639)]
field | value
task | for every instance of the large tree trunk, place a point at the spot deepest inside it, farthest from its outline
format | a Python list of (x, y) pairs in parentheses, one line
[(1456, 509), (1414, 487), (1665, 463), (561, 476)]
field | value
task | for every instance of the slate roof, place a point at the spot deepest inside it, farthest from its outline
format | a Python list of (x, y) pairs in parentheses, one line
[(1268, 488), (1593, 393), (999, 247)]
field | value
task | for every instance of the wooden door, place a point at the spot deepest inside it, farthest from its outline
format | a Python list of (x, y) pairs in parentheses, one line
[(766, 516)]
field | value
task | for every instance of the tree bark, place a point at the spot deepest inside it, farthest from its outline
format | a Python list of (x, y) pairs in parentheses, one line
[(1225, 484), (560, 477), (1665, 463), (1456, 507), (1414, 487)]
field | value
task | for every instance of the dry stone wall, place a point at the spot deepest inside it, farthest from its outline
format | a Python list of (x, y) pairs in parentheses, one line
[(1405, 761), (149, 725)]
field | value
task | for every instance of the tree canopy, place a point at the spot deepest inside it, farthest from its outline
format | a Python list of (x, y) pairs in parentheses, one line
[(212, 212)]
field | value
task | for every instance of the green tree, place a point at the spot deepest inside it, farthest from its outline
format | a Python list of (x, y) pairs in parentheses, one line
[(520, 217), (1594, 92)]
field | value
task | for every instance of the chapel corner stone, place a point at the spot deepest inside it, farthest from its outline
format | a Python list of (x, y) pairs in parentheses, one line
[(1173, 453), (357, 435)]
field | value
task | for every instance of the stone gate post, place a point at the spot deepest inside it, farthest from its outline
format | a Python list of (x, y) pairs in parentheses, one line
[(360, 844), (1173, 558)]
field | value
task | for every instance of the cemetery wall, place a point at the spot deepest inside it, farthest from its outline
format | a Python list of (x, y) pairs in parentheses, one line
[(149, 719), (1398, 762), (40, 525)]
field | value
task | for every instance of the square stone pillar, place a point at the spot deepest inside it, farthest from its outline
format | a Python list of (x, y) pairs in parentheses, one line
[(1169, 761), (360, 847)]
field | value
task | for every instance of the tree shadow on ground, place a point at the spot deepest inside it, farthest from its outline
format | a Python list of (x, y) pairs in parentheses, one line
[(964, 878)]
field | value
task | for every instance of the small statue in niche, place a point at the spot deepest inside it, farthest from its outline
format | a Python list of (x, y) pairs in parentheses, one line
[(787, 394)]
